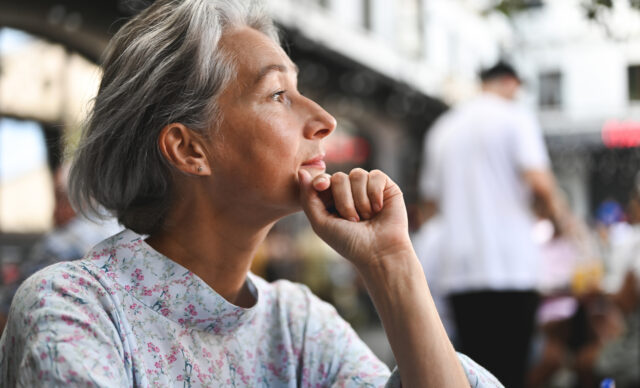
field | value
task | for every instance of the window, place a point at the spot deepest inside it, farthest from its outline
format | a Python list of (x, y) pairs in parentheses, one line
[(634, 82), (410, 28), (367, 14), (550, 90)]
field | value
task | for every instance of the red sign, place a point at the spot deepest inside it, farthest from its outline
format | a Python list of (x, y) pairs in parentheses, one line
[(621, 134), (343, 148)]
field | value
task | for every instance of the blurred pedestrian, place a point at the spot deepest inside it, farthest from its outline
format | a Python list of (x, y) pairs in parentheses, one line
[(71, 238), (485, 164)]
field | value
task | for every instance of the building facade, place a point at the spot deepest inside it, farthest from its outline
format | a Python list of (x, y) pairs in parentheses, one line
[(583, 78)]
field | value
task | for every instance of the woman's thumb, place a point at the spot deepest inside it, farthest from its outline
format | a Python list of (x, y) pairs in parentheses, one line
[(310, 200)]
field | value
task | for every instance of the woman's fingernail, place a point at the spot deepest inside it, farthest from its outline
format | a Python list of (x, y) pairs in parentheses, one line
[(320, 183), (377, 207), (353, 219)]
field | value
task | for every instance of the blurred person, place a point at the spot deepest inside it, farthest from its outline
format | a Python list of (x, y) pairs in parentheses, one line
[(625, 250), (618, 354), (72, 237), (484, 162), (617, 357), (198, 142), (596, 334), (611, 227)]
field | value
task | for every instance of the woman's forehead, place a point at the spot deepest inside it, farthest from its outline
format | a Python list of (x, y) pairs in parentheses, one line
[(254, 52)]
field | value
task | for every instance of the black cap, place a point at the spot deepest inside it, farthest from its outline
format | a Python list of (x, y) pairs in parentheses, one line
[(500, 69)]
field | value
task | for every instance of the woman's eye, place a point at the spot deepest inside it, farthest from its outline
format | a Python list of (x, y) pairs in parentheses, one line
[(278, 96)]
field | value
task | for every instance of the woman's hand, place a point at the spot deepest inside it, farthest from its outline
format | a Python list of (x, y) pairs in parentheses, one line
[(369, 223), (369, 227)]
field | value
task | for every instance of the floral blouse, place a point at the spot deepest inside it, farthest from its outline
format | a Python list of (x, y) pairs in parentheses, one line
[(126, 316)]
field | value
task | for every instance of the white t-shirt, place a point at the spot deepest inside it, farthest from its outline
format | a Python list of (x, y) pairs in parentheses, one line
[(475, 157)]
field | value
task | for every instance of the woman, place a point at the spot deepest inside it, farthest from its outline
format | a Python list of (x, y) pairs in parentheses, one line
[(200, 140)]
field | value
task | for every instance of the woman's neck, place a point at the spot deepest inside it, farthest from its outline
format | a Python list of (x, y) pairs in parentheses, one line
[(217, 247)]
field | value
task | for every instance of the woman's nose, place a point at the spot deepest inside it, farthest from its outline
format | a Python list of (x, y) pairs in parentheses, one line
[(320, 123)]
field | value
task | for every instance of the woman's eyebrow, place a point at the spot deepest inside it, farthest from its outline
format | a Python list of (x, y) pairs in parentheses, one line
[(274, 67)]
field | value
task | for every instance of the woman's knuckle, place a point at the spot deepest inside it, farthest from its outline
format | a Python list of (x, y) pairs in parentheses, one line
[(377, 173), (339, 177), (357, 173)]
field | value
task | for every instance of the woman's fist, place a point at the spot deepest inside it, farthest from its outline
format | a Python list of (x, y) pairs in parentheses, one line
[(361, 215)]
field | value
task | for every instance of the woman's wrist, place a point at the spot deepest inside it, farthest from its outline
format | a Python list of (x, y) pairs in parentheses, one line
[(389, 269)]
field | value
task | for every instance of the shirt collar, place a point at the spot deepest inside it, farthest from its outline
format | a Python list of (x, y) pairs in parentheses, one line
[(166, 287)]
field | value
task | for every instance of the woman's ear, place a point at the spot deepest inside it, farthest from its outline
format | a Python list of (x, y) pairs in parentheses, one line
[(184, 149)]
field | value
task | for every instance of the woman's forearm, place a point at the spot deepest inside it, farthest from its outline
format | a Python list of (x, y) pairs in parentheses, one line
[(422, 349)]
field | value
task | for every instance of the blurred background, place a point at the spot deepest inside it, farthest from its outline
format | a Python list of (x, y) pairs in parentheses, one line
[(386, 69)]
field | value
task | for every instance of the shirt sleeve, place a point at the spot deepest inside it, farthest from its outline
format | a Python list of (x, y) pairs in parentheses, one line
[(337, 357), (58, 334), (530, 150)]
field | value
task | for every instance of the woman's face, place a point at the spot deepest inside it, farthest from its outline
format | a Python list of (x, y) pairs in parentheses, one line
[(268, 131)]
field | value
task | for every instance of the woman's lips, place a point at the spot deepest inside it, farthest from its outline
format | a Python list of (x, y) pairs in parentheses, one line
[(317, 162)]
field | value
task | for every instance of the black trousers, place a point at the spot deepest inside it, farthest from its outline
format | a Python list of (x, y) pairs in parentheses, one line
[(495, 328)]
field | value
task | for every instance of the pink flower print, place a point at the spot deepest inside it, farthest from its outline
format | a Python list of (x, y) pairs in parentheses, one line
[(67, 319), (127, 287), (81, 281), (165, 311), (41, 302), (43, 355), (179, 378), (152, 348), (133, 306), (64, 275), (171, 359), (44, 281), (191, 309), (146, 291), (243, 376), (181, 321), (61, 359), (138, 274), (158, 365)]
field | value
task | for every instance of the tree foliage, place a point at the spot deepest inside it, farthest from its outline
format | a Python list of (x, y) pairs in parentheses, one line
[(593, 9)]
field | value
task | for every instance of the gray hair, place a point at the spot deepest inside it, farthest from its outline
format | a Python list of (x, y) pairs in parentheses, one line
[(161, 67)]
